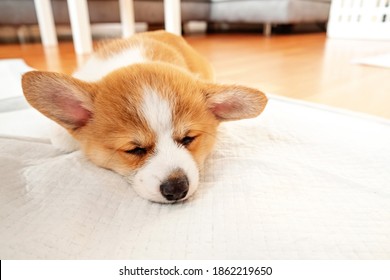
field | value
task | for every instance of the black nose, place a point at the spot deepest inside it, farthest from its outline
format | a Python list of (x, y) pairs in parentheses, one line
[(175, 188)]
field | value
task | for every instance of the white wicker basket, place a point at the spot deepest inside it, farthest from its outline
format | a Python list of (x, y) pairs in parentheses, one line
[(359, 19)]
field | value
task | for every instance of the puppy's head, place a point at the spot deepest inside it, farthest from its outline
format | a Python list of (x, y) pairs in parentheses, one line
[(151, 123)]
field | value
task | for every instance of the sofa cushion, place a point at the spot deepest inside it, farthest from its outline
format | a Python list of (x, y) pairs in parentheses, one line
[(18, 12), (21, 12), (269, 11)]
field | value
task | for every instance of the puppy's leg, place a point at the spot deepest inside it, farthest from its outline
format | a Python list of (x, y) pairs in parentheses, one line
[(62, 140)]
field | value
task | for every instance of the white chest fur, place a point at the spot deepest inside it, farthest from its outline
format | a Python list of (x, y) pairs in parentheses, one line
[(96, 67)]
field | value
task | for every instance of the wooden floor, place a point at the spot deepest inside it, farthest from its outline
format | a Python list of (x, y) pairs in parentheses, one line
[(303, 66)]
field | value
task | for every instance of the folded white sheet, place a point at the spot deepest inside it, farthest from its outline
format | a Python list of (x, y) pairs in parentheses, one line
[(299, 182)]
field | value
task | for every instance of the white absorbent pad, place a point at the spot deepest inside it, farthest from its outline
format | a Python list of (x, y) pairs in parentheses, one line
[(299, 182), (378, 60)]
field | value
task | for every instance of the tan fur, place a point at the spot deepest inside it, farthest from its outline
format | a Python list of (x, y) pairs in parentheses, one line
[(116, 125), (118, 122), (164, 47)]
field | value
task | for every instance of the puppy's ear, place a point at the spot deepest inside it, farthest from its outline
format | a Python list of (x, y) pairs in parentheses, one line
[(62, 98), (234, 102)]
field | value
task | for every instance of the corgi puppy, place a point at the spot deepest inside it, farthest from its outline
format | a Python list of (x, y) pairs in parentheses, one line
[(145, 107)]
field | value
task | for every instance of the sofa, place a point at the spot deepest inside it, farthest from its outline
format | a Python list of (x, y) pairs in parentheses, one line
[(271, 12)]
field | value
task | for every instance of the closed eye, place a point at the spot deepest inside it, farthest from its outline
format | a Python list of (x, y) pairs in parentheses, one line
[(187, 140), (138, 151)]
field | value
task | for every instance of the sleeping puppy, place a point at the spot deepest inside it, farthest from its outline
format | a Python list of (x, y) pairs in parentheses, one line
[(145, 107)]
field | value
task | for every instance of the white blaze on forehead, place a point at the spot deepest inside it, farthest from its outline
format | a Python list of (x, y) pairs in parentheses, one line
[(157, 112), (96, 67)]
